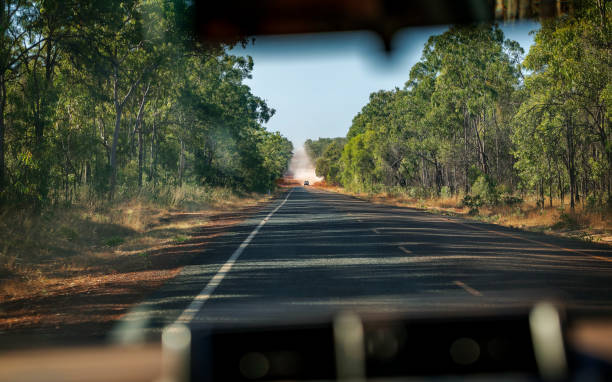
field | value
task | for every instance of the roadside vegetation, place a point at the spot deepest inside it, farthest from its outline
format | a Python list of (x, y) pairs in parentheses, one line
[(120, 133), (49, 249), (481, 126), (583, 224)]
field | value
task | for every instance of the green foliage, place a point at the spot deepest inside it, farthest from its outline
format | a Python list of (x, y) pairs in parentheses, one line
[(180, 239), (472, 201), (358, 163), (471, 120), (484, 188), (316, 148), (328, 164), (566, 220), (445, 128), (474, 174), (114, 241), (563, 131), (105, 98), (511, 200)]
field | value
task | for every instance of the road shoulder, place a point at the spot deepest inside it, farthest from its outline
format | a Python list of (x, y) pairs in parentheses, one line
[(83, 309)]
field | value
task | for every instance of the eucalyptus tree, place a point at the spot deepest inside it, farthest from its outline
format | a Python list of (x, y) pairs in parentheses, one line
[(316, 148), (276, 152), (16, 43), (453, 112), (568, 94), (53, 23), (476, 72), (116, 45), (328, 163)]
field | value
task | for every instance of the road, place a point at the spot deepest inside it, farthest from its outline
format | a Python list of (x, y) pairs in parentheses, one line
[(311, 252)]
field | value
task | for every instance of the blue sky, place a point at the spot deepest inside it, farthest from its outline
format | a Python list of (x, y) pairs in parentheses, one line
[(318, 84)]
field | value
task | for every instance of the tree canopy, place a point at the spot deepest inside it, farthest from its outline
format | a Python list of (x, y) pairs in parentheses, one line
[(475, 118), (106, 97)]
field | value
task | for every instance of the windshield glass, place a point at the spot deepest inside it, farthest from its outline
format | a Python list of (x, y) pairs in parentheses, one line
[(149, 176)]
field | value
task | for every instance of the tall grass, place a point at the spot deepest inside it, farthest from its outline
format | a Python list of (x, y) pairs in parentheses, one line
[(62, 240)]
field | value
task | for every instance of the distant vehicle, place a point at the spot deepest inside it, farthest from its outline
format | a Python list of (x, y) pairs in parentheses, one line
[(306, 183)]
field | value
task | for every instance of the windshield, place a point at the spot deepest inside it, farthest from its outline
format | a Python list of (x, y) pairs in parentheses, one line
[(149, 176)]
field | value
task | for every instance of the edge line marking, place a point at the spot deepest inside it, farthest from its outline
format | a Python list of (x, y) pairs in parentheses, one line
[(406, 251), (467, 288), (199, 300)]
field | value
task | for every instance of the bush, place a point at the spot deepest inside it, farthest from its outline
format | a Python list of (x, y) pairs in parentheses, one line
[(484, 187), (471, 201), (595, 203), (567, 221), (445, 192), (114, 241), (418, 192), (474, 173), (511, 200)]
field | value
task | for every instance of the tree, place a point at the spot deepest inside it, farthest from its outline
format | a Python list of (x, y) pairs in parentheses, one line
[(16, 43), (571, 64), (106, 97), (328, 164), (453, 113)]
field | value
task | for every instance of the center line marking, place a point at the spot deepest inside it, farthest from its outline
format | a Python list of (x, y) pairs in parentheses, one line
[(467, 288), (208, 290), (407, 251)]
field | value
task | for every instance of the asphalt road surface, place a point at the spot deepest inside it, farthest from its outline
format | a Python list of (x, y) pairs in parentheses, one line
[(313, 252)]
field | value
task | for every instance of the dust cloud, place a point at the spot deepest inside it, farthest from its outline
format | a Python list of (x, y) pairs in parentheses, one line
[(301, 167)]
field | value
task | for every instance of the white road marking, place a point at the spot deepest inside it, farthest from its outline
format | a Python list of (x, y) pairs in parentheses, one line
[(405, 250), (467, 288), (209, 289), (376, 231)]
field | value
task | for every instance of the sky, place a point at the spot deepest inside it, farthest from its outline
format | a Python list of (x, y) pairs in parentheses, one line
[(317, 84)]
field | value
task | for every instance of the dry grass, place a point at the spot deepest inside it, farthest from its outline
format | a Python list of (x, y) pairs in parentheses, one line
[(582, 223), (41, 250)]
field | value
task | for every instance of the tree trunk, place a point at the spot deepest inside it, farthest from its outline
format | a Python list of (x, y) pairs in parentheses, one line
[(113, 157), (481, 148), (118, 113), (438, 178), (153, 155), (550, 190), (571, 161), (39, 149), (140, 152), (2, 128), (550, 184), (466, 165), (139, 128), (40, 122), (181, 163), (561, 193), (572, 176), (423, 178)]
